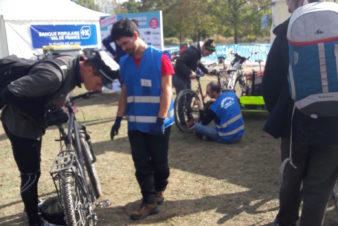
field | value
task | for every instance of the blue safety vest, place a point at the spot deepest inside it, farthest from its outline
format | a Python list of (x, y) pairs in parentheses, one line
[(143, 86), (230, 125)]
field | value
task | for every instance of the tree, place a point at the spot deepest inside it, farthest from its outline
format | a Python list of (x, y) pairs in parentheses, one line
[(90, 4), (241, 17), (131, 6), (198, 19)]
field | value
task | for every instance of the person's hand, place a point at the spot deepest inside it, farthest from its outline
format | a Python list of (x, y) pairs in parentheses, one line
[(198, 104), (115, 129), (192, 75), (158, 128)]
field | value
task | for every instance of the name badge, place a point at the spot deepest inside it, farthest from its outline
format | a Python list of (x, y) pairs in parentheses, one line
[(146, 82)]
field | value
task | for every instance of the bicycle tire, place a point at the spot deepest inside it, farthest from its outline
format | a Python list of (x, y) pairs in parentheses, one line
[(69, 190), (182, 123), (238, 89), (90, 167)]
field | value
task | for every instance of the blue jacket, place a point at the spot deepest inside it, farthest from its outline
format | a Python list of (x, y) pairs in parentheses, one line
[(230, 125), (143, 86)]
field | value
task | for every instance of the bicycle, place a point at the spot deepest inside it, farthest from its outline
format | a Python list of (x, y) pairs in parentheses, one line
[(73, 170), (185, 111), (235, 78)]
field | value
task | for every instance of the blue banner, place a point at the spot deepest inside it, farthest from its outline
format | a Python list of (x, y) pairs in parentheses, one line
[(244, 50), (45, 35)]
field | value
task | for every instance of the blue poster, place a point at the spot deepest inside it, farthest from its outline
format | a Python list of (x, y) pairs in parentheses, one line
[(145, 20), (45, 35), (149, 25)]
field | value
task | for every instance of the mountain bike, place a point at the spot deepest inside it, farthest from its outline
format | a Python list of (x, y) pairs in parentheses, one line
[(235, 78), (73, 170), (186, 112)]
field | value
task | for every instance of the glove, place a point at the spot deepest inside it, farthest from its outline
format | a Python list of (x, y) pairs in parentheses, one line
[(158, 128), (115, 129), (55, 116)]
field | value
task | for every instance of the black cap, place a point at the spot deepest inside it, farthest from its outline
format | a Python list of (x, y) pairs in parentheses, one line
[(106, 66)]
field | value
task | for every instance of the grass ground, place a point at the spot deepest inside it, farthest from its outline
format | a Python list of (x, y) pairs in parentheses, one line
[(210, 183)]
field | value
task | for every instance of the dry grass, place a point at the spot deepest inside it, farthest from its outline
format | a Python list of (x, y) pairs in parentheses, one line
[(210, 183)]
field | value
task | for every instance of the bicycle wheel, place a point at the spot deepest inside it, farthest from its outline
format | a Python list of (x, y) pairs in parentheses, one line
[(186, 114), (90, 167), (239, 87), (76, 205)]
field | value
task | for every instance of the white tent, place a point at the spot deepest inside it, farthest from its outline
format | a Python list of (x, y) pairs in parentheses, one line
[(280, 13), (17, 16)]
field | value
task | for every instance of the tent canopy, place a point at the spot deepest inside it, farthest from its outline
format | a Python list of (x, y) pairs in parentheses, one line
[(46, 10), (17, 16)]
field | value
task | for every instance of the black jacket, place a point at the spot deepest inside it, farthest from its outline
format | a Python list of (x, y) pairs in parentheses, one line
[(44, 83), (189, 61), (279, 103)]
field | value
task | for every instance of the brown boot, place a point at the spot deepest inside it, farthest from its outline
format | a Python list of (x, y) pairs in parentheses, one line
[(159, 197), (144, 211)]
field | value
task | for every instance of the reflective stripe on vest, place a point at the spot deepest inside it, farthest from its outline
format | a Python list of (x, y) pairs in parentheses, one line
[(231, 132), (143, 99), (232, 120), (147, 119)]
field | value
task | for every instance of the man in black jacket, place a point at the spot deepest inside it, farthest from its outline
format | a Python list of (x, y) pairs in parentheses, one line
[(314, 142), (25, 102), (186, 66)]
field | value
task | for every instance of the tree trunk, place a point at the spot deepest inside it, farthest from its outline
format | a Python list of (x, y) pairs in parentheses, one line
[(236, 33)]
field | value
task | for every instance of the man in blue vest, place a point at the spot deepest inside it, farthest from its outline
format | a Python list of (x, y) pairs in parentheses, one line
[(225, 112), (146, 101)]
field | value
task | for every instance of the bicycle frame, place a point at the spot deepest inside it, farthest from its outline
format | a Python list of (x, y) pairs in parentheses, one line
[(200, 91), (68, 158)]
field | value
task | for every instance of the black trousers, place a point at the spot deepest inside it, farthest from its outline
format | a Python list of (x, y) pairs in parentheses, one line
[(27, 155), (150, 155), (311, 182)]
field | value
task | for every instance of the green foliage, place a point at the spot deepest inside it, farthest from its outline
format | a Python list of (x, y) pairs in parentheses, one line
[(199, 19), (131, 6), (171, 41), (90, 4)]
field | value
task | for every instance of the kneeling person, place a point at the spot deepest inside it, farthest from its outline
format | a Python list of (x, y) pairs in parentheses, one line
[(225, 112)]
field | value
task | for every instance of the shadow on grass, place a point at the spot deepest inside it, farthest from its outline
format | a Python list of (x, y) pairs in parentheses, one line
[(223, 204), (243, 164), (42, 196), (3, 136), (17, 219)]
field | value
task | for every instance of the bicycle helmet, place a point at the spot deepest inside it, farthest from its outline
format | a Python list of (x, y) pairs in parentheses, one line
[(106, 66)]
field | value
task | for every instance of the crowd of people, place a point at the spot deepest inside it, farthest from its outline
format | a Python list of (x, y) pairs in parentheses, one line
[(146, 101)]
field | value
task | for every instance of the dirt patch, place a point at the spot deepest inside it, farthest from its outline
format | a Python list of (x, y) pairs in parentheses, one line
[(210, 183)]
